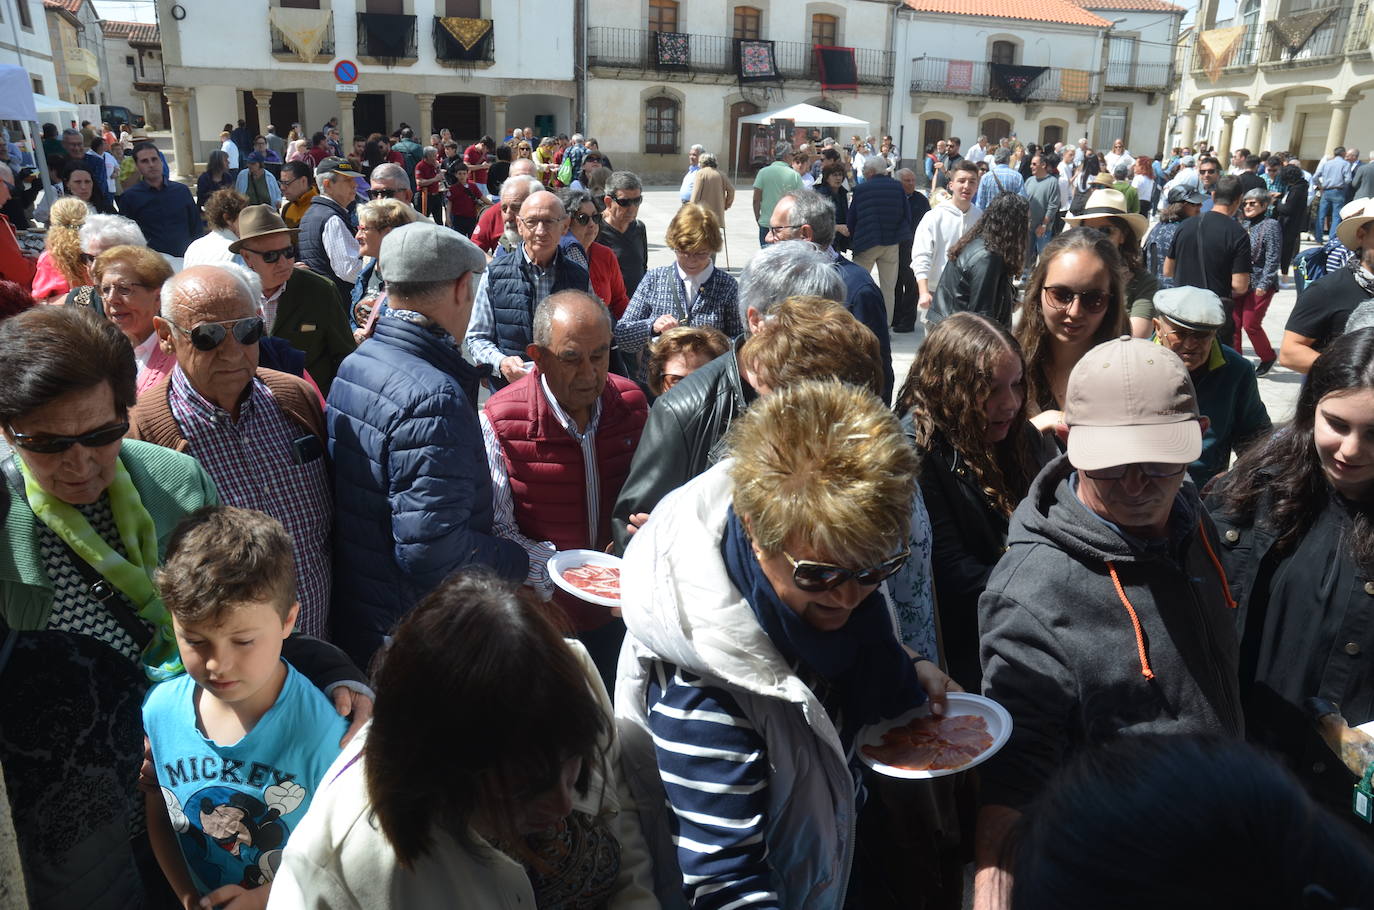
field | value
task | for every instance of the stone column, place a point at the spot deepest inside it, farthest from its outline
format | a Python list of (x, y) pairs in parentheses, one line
[(263, 99), (498, 114), (183, 150), (1340, 119), (1228, 122), (426, 102), (346, 129), (1254, 133), (1187, 126)]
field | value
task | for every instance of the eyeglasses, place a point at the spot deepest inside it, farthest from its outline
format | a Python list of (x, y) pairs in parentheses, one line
[(822, 576), (52, 445), (537, 224), (271, 256), (524, 148), (621, 201), (1207, 170), (1189, 339), (583, 218), (381, 194), (209, 335), (1061, 298), (776, 230), (119, 290), (1157, 470), (693, 254)]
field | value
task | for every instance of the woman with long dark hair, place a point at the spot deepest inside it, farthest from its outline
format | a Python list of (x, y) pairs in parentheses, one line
[(964, 407), (1108, 211), (1291, 211), (1075, 300), (1296, 516), (984, 262), (216, 177)]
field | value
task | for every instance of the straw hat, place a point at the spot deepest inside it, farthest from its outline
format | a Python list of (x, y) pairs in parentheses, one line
[(1354, 215), (1110, 204)]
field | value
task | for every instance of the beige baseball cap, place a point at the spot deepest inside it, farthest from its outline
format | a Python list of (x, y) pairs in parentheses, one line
[(1131, 401)]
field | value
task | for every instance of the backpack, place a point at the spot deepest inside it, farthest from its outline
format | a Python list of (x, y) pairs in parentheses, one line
[(1311, 263)]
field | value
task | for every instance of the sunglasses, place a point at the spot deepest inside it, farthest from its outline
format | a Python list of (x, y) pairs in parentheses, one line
[(583, 218), (381, 194), (209, 335), (1155, 469), (626, 202), (271, 256), (52, 445), (821, 576), (1061, 298)]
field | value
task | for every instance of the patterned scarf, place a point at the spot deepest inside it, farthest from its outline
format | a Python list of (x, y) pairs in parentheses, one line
[(1363, 277), (132, 576)]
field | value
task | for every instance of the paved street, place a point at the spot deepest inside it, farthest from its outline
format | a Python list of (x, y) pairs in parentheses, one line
[(1279, 389)]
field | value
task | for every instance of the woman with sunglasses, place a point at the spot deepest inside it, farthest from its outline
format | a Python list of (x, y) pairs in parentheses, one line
[(690, 292), (1266, 248), (129, 280), (1296, 516), (759, 645), (1075, 300), (585, 224), (1109, 211)]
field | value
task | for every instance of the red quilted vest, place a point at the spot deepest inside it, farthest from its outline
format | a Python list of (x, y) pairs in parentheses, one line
[(547, 477)]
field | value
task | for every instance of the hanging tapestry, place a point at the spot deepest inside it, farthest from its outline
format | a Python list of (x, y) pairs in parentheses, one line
[(1075, 85), (1014, 83), (838, 70), (756, 61), (1217, 46), (959, 76), (388, 35), (674, 51), (458, 38), (1293, 32), (303, 30)]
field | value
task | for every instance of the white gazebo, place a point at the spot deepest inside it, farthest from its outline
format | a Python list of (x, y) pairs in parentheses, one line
[(800, 115)]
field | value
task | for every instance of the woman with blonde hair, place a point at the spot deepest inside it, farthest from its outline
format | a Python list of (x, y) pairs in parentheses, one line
[(690, 292), (60, 267), (1075, 300), (376, 219)]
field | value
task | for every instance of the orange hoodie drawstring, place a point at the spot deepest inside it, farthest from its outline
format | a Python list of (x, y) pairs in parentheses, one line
[(1135, 620)]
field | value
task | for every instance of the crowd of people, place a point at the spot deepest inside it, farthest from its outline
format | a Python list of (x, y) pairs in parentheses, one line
[(289, 463)]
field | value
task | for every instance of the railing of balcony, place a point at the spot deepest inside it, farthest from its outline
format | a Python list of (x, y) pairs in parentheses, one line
[(387, 36), (1142, 76), (1247, 53), (632, 48), (942, 76), (1329, 40), (1360, 23), (279, 45)]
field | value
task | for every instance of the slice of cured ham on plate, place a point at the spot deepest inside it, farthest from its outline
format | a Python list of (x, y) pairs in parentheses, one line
[(918, 745), (589, 575)]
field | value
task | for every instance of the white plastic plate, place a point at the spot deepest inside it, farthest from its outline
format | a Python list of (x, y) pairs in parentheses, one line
[(570, 559), (958, 704)]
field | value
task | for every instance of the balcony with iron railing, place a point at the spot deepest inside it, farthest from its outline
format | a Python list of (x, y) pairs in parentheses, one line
[(1141, 77), (282, 49), (1247, 53), (973, 79), (388, 39), (636, 50), (1331, 39), (471, 50)]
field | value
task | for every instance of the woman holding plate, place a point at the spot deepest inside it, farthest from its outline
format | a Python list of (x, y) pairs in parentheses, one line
[(759, 645)]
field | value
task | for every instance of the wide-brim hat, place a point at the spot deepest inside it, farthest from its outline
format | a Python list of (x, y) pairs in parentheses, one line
[(1361, 212), (1109, 203), (260, 221)]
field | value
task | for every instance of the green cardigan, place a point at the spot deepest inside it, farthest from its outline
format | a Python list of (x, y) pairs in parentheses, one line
[(171, 485)]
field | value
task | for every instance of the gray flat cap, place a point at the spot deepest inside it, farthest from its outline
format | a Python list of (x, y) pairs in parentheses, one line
[(428, 252)]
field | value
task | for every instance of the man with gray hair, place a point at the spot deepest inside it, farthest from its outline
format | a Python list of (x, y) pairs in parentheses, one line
[(621, 229), (810, 216), (878, 218), (554, 469), (413, 492), (496, 226), (1001, 178), (771, 184), (258, 433), (693, 165), (389, 181), (328, 246)]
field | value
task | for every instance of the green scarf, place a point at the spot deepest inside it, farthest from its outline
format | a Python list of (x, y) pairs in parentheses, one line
[(132, 576)]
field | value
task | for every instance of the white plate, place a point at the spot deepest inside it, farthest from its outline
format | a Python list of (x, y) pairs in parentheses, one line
[(1367, 728), (958, 704), (570, 559)]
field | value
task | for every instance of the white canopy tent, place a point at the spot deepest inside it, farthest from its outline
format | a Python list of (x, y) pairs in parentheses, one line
[(55, 110), (18, 101), (800, 115)]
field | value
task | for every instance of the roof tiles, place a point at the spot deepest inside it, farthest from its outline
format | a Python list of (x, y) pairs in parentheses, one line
[(1062, 12)]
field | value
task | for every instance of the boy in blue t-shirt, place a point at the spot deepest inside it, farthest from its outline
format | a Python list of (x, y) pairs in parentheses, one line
[(242, 740)]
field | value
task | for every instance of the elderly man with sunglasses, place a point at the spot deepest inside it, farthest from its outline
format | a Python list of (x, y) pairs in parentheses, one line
[(297, 305), (258, 433), (1109, 615)]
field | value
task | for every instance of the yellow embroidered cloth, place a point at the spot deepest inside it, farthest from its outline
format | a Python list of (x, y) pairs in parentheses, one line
[(1218, 46), (466, 32), (303, 29)]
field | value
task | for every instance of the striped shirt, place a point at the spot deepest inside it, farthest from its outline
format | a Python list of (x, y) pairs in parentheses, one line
[(252, 461), (715, 770), (503, 503)]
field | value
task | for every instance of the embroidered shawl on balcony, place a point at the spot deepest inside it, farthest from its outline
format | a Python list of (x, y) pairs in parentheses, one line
[(460, 38), (1218, 46), (304, 30), (837, 68), (959, 76), (1293, 32), (388, 35), (1015, 83), (756, 61), (673, 50)]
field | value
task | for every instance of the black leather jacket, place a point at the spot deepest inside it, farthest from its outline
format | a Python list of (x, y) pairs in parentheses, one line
[(975, 282)]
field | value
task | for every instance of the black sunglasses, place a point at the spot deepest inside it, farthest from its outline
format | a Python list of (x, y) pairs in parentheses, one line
[(821, 576), (209, 335), (51, 445), (269, 256), (1092, 301), (381, 194), (583, 218), (626, 202)]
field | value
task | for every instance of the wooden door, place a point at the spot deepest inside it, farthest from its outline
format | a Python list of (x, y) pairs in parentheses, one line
[(739, 151)]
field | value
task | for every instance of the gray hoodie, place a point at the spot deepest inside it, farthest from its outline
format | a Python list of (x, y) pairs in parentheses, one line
[(1087, 635)]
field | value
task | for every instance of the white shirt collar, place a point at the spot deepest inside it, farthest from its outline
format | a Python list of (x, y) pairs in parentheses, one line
[(143, 352), (695, 282)]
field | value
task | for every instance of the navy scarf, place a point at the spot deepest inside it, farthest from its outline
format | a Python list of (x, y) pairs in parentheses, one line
[(862, 660)]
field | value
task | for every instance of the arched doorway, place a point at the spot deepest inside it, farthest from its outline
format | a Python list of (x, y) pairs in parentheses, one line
[(996, 129), (1051, 134), (739, 148)]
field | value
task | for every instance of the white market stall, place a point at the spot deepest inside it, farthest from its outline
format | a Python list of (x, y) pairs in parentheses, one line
[(800, 115), (18, 101)]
